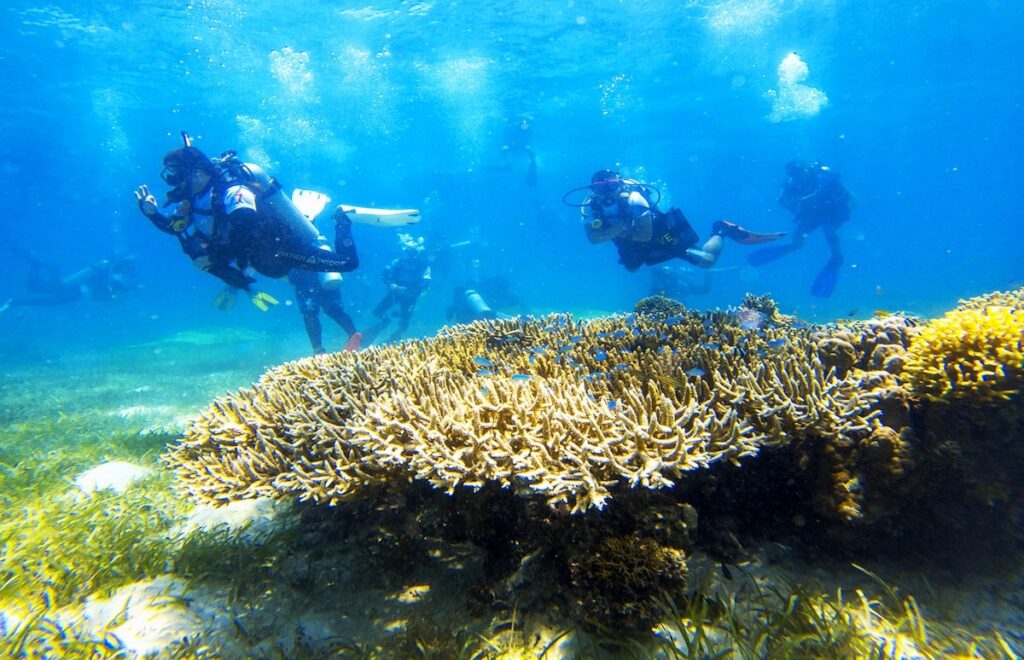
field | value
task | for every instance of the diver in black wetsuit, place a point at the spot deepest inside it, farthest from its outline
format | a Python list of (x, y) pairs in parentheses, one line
[(103, 281), (313, 295), (231, 215), (622, 211), (407, 277), (817, 198)]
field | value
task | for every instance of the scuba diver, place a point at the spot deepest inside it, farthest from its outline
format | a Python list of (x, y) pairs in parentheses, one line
[(321, 291), (230, 216), (407, 277), (103, 281), (817, 198), (622, 211), (517, 141)]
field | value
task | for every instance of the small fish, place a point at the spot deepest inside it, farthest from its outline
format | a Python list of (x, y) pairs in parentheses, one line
[(601, 335), (482, 361), (619, 334), (600, 355), (777, 343), (483, 372), (696, 371), (563, 349), (539, 350), (674, 320), (576, 338), (484, 390), (725, 571), (520, 377), (882, 314), (711, 346), (612, 404), (620, 367)]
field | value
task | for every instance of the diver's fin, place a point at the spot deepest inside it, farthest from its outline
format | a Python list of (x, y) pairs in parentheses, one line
[(353, 343), (380, 217), (764, 255), (225, 300), (826, 279), (734, 232), (263, 300), (309, 202)]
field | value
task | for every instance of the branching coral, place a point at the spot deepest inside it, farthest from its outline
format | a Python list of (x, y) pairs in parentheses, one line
[(972, 354), (553, 408)]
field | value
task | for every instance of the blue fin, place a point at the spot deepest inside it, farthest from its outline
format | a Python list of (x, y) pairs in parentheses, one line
[(764, 255), (826, 279)]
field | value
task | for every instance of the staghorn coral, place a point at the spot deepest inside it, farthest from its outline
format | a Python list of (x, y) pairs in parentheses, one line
[(972, 354), (557, 409)]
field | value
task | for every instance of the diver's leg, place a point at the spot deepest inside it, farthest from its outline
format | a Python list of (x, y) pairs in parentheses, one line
[(707, 255), (313, 331), (832, 238), (333, 308), (827, 277), (404, 317)]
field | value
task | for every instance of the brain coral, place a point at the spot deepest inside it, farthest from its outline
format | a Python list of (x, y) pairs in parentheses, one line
[(973, 353), (553, 408)]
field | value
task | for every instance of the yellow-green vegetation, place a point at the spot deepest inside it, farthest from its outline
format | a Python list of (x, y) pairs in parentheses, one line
[(805, 622), (973, 354), (553, 408)]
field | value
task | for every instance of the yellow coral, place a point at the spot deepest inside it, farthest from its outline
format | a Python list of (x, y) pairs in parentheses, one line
[(553, 407), (971, 354)]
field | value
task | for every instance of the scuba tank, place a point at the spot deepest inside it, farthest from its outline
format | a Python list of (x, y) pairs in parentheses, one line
[(478, 307), (332, 280), (269, 192), (276, 204)]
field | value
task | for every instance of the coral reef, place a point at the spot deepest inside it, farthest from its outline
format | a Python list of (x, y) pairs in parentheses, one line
[(558, 409), (972, 354), (622, 580)]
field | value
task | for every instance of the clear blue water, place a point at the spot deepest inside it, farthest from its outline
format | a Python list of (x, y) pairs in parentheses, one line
[(403, 104)]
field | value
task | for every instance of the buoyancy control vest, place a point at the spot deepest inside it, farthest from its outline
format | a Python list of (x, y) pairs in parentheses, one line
[(273, 202), (269, 192)]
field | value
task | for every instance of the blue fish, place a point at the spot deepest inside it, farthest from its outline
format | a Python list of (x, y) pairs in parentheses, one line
[(696, 371), (620, 367), (674, 320), (520, 377), (711, 346), (612, 404), (619, 334), (563, 349), (540, 350), (483, 372), (576, 338), (600, 355), (482, 361), (777, 343)]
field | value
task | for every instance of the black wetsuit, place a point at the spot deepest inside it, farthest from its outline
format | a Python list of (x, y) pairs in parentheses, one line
[(227, 228), (671, 235), (312, 297)]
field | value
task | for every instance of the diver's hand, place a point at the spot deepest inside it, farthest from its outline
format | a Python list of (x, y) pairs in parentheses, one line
[(262, 300), (147, 202)]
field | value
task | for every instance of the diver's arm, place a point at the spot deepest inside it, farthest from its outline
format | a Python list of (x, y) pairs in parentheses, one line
[(169, 224)]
